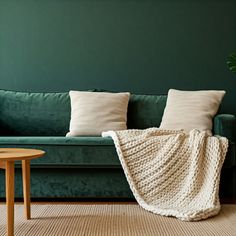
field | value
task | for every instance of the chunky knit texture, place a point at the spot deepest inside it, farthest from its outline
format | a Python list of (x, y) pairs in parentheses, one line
[(171, 173)]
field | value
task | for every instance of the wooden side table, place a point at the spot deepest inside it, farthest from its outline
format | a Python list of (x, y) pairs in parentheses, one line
[(8, 156)]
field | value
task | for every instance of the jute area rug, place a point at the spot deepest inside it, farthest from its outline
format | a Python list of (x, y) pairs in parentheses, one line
[(112, 219)]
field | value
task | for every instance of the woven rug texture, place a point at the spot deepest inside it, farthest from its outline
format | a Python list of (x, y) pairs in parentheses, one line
[(113, 219)]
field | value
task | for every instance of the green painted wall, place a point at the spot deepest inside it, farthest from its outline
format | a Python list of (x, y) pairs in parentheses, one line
[(143, 46)]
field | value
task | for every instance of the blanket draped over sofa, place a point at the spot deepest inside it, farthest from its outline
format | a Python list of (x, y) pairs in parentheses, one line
[(171, 173)]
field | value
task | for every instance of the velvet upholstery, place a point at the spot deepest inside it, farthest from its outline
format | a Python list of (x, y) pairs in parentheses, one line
[(73, 155), (34, 114), (57, 140), (145, 111), (48, 114), (80, 150), (225, 125), (77, 167), (72, 183)]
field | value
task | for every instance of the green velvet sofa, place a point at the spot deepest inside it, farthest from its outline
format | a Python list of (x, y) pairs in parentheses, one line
[(84, 167)]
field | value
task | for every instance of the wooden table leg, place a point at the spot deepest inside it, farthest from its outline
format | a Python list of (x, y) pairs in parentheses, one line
[(10, 174), (26, 187)]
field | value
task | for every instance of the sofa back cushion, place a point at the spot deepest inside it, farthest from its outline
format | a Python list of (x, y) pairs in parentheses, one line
[(48, 114), (145, 111), (34, 114)]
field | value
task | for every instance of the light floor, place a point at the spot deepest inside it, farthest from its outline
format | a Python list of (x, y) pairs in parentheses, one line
[(104, 219)]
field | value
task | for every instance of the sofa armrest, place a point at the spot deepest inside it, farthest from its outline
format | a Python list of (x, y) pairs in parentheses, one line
[(225, 125)]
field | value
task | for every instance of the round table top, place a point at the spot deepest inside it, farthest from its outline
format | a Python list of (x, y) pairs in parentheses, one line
[(16, 154)]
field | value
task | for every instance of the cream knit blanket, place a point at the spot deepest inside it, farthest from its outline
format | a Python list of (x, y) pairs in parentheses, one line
[(171, 173)]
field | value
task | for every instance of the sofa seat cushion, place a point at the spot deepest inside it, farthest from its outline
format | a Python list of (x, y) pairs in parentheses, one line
[(62, 152), (57, 140)]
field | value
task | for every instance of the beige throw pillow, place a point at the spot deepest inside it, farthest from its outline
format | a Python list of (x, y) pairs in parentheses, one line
[(95, 112), (189, 110)]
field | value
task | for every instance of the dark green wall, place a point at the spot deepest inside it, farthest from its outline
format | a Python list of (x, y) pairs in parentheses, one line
[(142, 46)]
